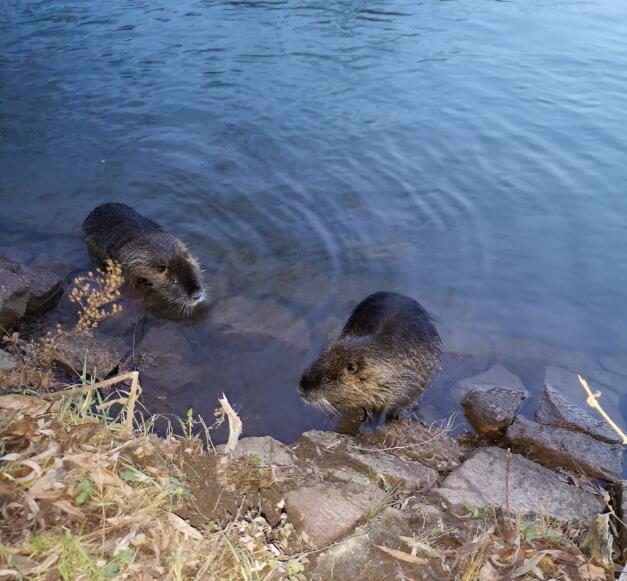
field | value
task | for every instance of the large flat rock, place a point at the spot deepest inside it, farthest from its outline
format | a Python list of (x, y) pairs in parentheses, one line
[(559, 448), (322, 515), (337, 449), (554, 409), (533, 488)]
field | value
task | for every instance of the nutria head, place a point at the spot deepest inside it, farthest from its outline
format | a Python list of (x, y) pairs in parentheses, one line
[(348, 375), (164, 264)]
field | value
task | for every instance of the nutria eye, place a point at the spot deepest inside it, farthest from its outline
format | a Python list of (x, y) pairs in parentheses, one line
[(351, 367)]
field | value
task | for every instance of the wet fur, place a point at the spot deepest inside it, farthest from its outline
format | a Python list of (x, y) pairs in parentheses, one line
[(394, 348), (148, 254)]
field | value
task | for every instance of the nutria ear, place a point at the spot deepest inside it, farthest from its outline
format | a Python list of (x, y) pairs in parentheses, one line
[(161, 267)]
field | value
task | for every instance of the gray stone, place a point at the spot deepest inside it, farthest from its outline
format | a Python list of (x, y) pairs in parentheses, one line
[(496, 376), (560, 448), (556, 410), (567, 383), (597, 544), (322, 515), (491, 412), (7, 361), (533, 488), (266, 450), (45, 289), (14, 291), (349, 559), (386, 467), (25, 290)]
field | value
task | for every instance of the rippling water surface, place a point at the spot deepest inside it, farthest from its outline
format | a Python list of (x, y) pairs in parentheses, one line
[(469, 153)]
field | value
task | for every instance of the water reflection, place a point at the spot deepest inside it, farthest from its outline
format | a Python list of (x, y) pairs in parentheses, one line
[(310, 153)]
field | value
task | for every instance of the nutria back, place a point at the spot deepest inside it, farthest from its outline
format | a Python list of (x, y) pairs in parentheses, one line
[(149, 255), (110, 227), (383, 360)]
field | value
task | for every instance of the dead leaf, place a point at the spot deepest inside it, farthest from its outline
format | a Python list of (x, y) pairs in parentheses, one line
[(488, 573), (403, 556), (590, 572), (25, 404)]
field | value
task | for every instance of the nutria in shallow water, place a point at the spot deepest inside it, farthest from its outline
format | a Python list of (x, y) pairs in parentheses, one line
[(149, 256), (382, 361)]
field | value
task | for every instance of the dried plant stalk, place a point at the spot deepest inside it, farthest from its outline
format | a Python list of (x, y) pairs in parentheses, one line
[(235, 424), (592, 401)]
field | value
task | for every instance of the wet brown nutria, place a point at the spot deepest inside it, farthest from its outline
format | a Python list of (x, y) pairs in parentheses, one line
[(382, 361), (148, 255)]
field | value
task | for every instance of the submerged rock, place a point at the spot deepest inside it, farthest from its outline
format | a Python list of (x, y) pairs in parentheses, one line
[(479, 482), (556, 410), (265, 450), (491, 412), (559, 448), (496, 376), (323, 514)]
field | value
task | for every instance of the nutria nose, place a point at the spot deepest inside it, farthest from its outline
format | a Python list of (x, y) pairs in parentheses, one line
[(304, 384), (197, 296)]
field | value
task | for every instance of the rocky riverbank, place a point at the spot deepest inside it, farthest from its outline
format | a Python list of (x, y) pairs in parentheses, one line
[(85, 496)]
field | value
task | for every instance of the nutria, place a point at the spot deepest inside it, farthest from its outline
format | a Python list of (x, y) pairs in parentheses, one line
[(382, 361), (149, 255)]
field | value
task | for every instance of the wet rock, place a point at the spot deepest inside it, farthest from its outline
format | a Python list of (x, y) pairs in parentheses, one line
[(101, 353), (479, 482), (567, 383), (496, 376), (491, 412), (264, 450), (14, 290), (560, 448), (556, 410), (343, 450), (7, 361), (45, 289), (25, 291), (597, 544), (322, 515)]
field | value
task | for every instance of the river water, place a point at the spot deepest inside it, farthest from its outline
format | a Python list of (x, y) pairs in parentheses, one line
[(470, 153)]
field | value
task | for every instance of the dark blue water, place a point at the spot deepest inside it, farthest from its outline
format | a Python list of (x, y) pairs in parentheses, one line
[(471, 153)]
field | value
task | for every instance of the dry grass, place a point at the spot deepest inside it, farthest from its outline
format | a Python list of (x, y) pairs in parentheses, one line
[(82, 498)]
